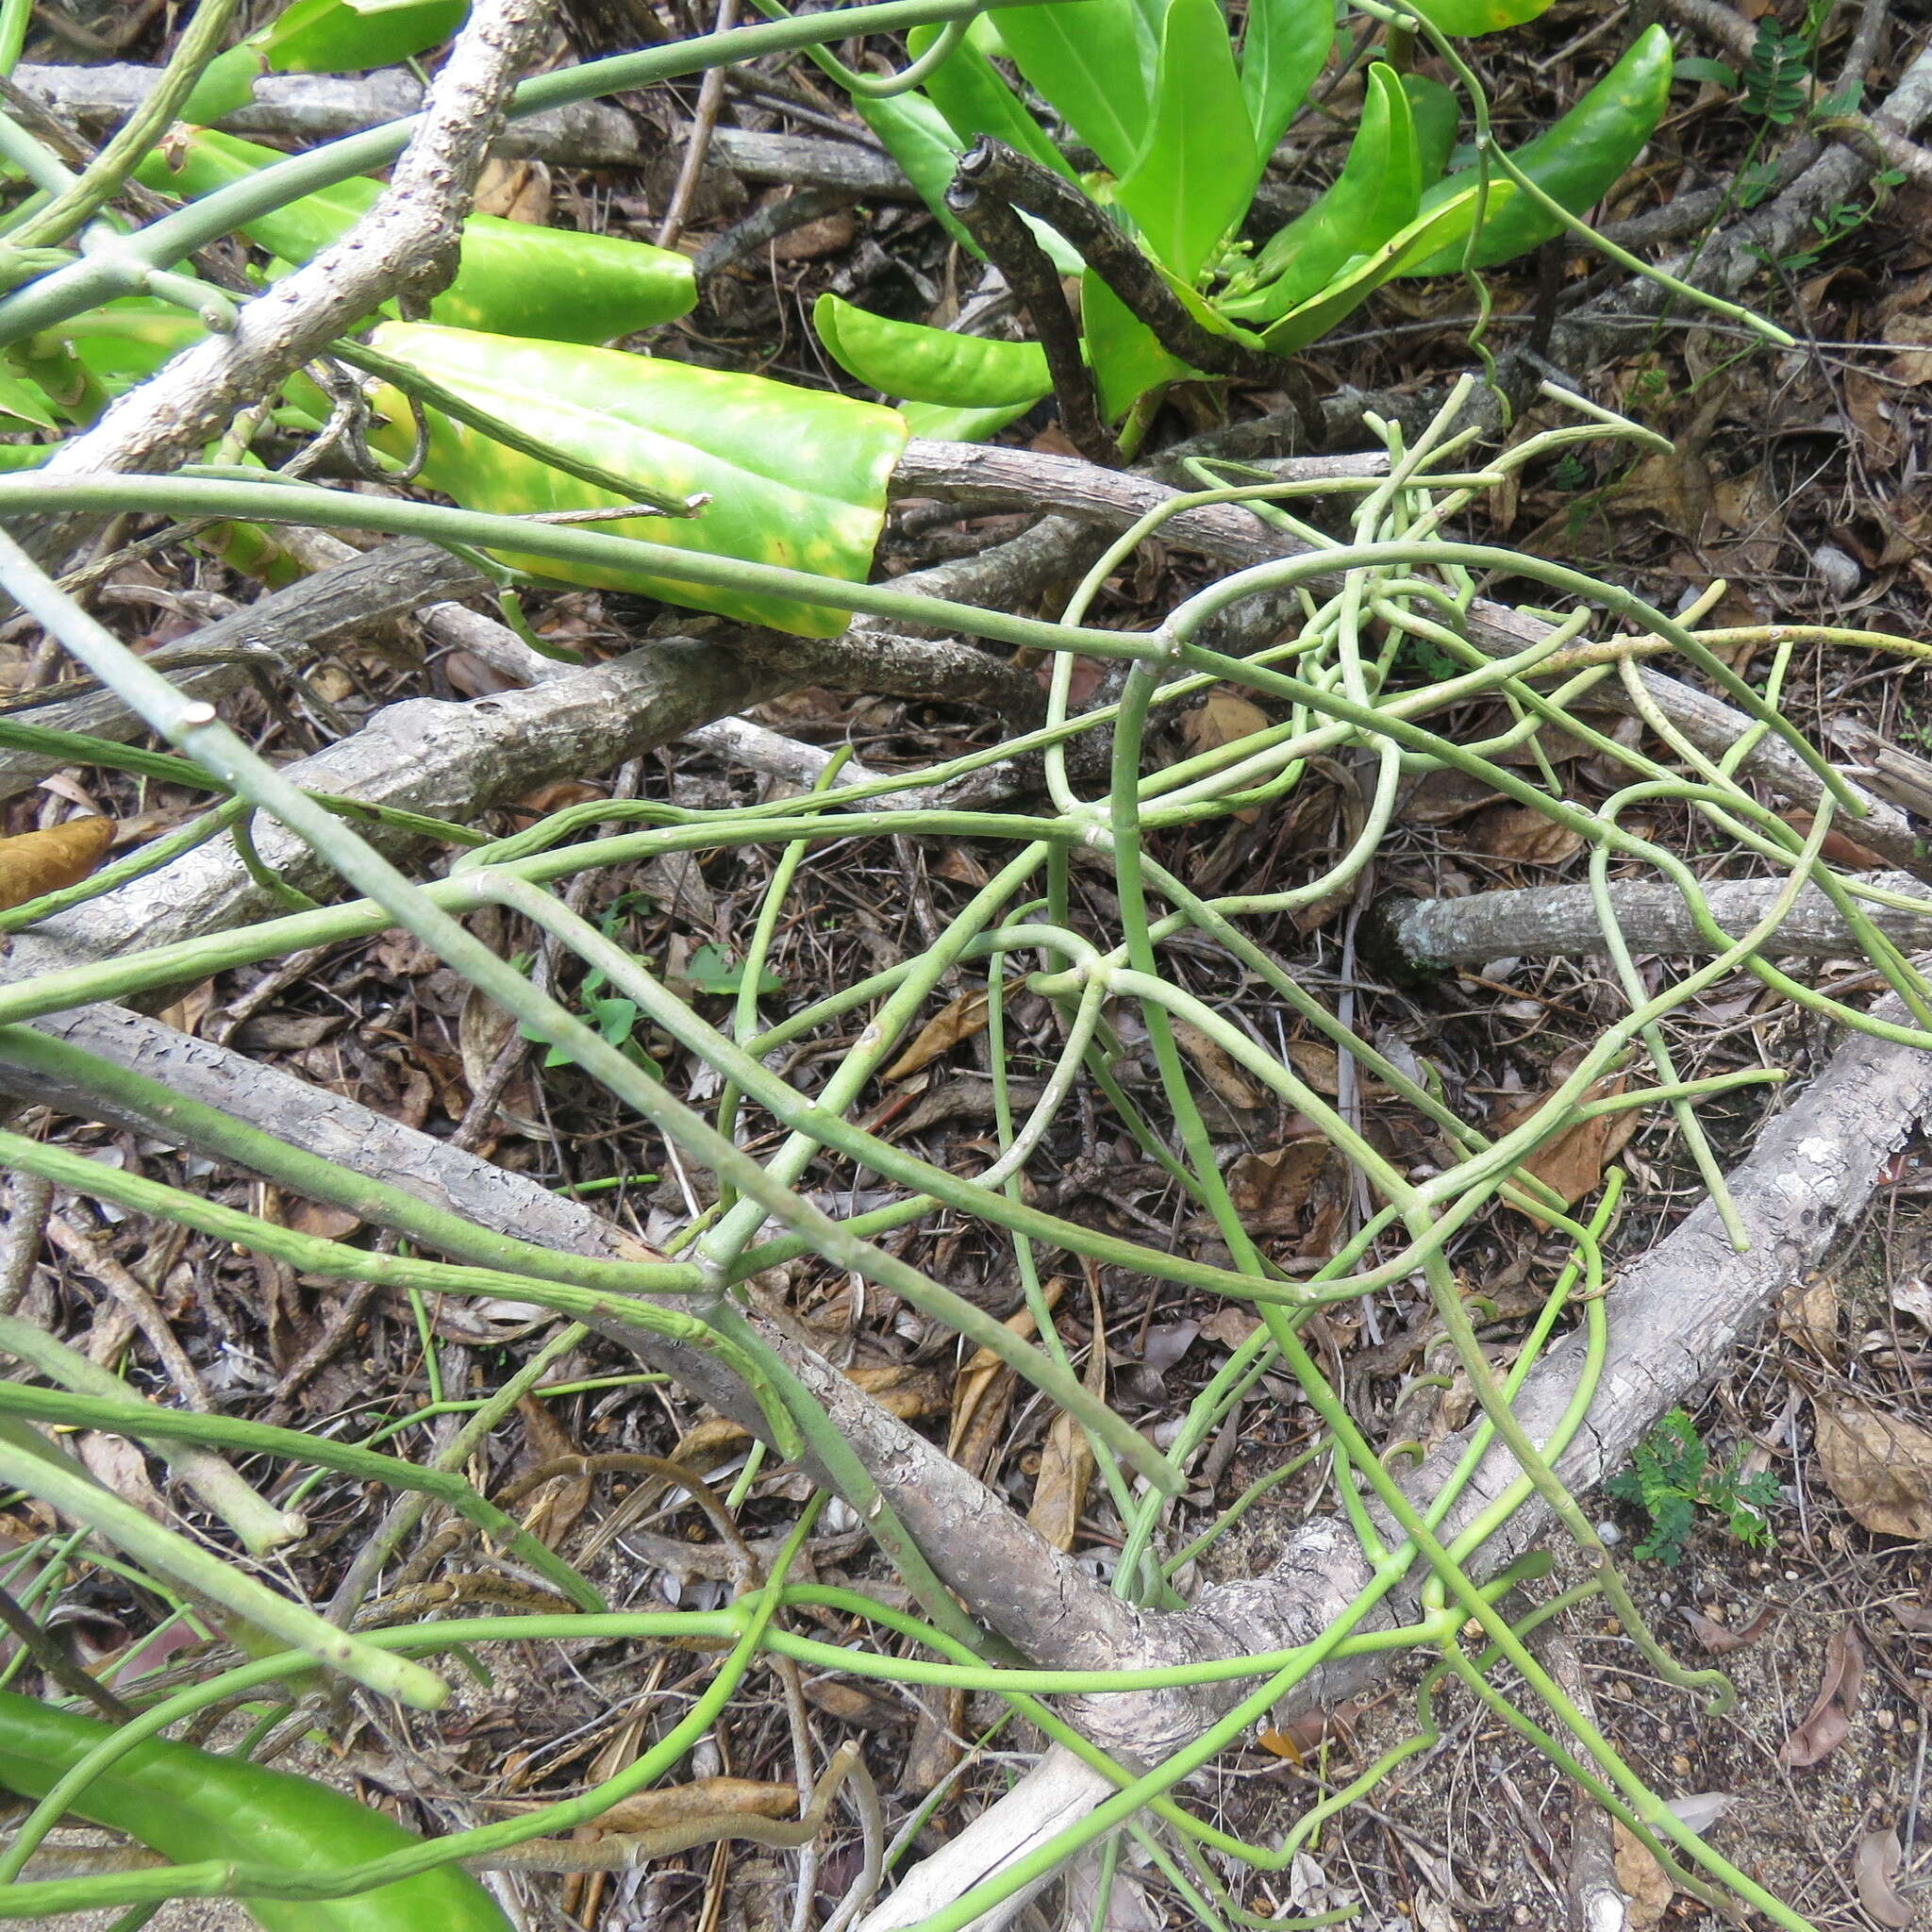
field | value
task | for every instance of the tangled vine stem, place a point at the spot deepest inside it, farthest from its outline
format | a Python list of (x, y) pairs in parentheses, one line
[(1339, 685)]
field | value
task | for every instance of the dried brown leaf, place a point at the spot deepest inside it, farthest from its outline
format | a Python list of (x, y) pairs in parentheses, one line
[(515, 190), (899, 1388), (960, 1021), (332, 1224), (698, 1802), (1440, 798), (553, 1510), (120, 1464), (983, 1392), (1574, 1162), (1876, 1867), (1912, 335), (1224, 719), (1218, 1068), (37, 862), (1519, 835), (1719, 1639), (1913, 1297), (1808, 1314), (1066, 1462), (1304, 1736), (1230, 1326), (1879, 1467), (1828, 1722), (1645, 1885), (1269, 1191)]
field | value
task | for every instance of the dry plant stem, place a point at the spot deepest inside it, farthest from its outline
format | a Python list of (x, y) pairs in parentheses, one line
[(286, 631), (57, 1663), (141, 1305), (1560, 920), (29, 1198), (257, 1522), (698, 141), (405, 245)]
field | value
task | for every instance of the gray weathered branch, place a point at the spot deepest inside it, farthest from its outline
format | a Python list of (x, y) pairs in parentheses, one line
[(1560, 920)]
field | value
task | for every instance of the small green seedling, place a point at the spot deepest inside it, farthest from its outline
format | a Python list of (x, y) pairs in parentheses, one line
[(1672, 1476)]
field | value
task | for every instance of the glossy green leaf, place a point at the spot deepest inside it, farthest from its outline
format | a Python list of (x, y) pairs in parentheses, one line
[(1467, 18), (974, 96), (226, 84), (930, 365), (1092, 62), (797, 477), (1126, 359), (23, 400), (1197, 174), (345, 36), (321, 37), (942, 424), (515, 278), (1435, 111), (918, 137), (1425, 236), (126, 340), (1576, 164), (1283, 50), (1377, 193)]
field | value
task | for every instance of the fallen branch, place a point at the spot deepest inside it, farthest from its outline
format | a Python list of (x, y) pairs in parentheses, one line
[(1543, 922), (314, 107), (1673, 1315)]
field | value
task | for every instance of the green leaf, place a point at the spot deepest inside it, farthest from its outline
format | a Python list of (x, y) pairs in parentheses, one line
[(1435, 111), (797, 477), (1126, 358), (1377, 193), (974, 96), (917, 136), (126, 340), (942, 424), (321, 37), (1576, 164), (713, 969), (1198, 172), (1694, 67), (345, 36), (23, 400), (1092, 62), (227, 84), (1285, 46), (1359, 281), (930, 365), (1777, 74), (514, 277), (1471, 17)]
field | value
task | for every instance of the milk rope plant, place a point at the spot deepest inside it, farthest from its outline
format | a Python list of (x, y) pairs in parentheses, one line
[(1338, 682)]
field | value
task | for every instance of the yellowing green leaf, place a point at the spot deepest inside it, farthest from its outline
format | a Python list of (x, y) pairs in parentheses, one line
[(796, 478)]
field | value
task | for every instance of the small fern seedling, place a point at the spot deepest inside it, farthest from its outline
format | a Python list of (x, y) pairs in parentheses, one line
[(1672, 1475)]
